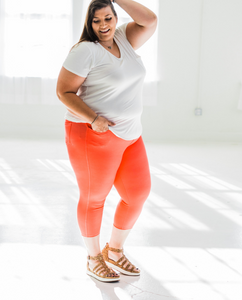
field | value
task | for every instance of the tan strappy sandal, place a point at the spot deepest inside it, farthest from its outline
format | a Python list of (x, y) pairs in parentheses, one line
[(101, 270), (119, 264)]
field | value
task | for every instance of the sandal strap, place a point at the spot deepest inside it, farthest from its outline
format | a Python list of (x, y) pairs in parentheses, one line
[(114, 249), (101, 267), (121, 261), (125, 260), (98, 257)]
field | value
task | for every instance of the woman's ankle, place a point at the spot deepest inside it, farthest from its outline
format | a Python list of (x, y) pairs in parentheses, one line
[(115, 245), (118, 238), (92, 245)]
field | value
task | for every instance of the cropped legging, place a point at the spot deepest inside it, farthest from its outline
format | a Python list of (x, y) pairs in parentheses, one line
[(101, 160)]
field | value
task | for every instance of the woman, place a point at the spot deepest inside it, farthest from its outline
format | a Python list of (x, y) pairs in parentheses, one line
[(100, 83)]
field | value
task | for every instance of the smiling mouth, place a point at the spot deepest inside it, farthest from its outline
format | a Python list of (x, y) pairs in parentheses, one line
[(106, 31)]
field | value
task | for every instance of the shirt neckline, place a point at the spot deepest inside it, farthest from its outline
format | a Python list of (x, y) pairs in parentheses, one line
[(121, 54)]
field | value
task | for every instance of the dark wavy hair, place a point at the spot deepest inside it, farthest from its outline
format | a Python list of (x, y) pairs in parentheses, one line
[(88, 34)]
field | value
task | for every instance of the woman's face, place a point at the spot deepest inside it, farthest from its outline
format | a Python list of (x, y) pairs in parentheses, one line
[(104, 24)]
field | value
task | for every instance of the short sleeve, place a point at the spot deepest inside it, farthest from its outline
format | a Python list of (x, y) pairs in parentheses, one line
[(79, 60), (122, 29)]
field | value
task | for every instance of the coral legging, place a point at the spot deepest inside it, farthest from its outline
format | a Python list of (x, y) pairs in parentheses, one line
[(101, 160)]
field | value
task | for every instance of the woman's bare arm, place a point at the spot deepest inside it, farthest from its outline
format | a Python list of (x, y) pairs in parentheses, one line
[(144, 25), (66, 89)]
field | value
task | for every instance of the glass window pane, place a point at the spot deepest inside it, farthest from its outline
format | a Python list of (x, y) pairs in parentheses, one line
[(36, 37)]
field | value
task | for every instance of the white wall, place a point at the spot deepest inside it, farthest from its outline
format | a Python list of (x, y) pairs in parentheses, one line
[(197, 68), (220, 71)]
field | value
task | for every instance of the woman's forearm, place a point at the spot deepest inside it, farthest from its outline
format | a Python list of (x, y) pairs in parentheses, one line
[(141, 15), (77, 107)]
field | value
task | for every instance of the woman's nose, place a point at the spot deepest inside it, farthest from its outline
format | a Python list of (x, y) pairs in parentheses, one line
[(103, 24)]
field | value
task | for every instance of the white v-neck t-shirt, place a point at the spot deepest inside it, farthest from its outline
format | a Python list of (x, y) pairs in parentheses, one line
[(113, 86)]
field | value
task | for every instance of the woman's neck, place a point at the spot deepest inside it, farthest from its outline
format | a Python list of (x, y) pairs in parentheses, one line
[(108, 44)]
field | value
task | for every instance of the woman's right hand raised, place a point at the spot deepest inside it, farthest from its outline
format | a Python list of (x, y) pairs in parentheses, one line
[(101, 124)]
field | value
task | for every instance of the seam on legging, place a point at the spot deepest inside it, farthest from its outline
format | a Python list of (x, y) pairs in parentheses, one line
[(68, 134), (89, 182), (125, 192), (120, 165), (69, 140)]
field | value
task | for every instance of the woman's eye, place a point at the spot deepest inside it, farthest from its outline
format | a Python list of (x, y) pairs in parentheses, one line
[(97, 21)]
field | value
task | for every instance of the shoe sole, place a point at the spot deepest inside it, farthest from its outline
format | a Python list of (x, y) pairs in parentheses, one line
[(110, 265), (102, 279)]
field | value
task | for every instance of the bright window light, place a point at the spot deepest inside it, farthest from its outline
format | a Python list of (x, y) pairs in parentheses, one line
[(36, 37)]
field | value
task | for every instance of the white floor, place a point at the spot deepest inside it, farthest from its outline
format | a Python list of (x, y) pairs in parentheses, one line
[(187, 241)]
